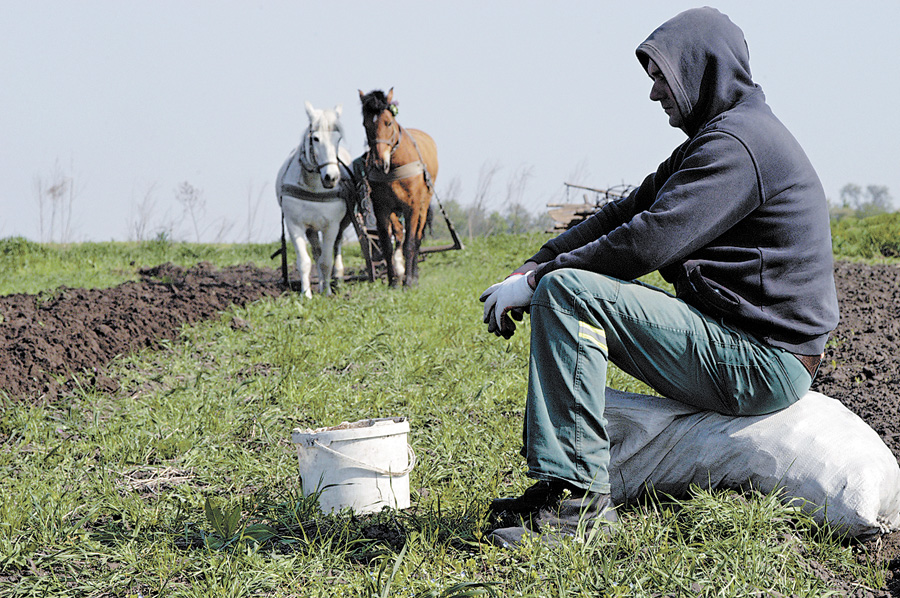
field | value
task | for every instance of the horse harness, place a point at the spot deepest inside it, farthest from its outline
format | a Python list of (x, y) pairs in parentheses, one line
[(405, 171), (298, 192), (409, 170)]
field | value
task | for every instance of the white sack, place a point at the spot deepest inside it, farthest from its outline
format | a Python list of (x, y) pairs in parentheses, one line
[(816, 450)]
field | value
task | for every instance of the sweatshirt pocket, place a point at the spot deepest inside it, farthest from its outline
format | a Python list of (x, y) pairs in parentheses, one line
[(718, 299)]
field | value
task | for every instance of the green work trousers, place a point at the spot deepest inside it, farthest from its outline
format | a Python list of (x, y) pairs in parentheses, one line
[(581, 320)]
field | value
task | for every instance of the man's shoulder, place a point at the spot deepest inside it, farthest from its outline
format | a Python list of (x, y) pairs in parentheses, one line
[(751, 119), (754, 126)]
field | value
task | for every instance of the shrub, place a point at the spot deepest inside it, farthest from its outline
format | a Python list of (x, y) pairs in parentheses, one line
[(872, 237), (13, 248)]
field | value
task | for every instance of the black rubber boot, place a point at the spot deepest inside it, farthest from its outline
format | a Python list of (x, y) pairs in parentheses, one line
[(541, 494), (587, 511), (552, 523)]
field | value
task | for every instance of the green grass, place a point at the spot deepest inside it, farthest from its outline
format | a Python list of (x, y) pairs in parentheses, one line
[(186, 484), (28, 267)]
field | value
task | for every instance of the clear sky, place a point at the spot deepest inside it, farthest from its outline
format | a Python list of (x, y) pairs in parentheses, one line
[(132, 98)]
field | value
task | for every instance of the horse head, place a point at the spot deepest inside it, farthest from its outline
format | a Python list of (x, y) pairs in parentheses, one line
[(382, 129), (320, 144)]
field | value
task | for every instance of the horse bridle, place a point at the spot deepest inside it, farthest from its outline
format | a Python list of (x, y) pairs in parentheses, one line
[(315, 166), (396, 134)]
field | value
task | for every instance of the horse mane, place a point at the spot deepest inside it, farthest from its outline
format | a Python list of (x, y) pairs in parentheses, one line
[(374, 102)]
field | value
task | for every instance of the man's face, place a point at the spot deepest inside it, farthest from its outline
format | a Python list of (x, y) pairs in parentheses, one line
[(662, 93)]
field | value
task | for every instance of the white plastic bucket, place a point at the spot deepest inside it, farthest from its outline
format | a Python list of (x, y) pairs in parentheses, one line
[(363, 465)]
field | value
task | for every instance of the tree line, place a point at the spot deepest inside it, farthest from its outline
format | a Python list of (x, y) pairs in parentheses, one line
[(489, 211), (859, 202)]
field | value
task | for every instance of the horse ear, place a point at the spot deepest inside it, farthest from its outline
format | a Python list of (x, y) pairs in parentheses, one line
[(309, 109), (390, 95), (361, 94), (338, 109)]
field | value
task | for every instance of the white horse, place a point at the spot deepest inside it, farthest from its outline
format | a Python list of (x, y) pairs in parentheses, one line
[(316, 198)]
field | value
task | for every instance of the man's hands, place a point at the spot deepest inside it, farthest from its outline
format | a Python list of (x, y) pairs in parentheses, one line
[(504, 299)]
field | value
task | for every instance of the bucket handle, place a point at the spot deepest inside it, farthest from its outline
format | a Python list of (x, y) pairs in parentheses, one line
[(409, 468)]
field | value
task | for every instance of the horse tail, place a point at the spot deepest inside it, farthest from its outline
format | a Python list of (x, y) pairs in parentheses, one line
[(429, 218)]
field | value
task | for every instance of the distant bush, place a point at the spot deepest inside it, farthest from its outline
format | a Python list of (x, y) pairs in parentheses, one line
[(13, 248), (16, 246), (872, 237)]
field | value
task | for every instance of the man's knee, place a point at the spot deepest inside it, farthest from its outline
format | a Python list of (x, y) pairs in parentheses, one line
[(554, 287)]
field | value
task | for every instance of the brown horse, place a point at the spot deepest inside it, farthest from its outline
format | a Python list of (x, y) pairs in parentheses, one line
[(401, 168)]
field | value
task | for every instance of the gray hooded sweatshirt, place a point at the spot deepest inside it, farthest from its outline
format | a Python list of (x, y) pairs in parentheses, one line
[(736, 218)]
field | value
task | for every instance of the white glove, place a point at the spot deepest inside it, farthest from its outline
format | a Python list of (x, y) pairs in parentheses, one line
[(499, 299)]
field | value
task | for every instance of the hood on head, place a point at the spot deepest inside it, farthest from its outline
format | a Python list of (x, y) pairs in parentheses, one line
[(705, 60)]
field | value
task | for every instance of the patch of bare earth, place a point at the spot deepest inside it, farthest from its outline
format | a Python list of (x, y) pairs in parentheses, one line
[(45, 339)]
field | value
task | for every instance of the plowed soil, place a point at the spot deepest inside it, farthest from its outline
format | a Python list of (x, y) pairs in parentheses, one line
[(47, 338)]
